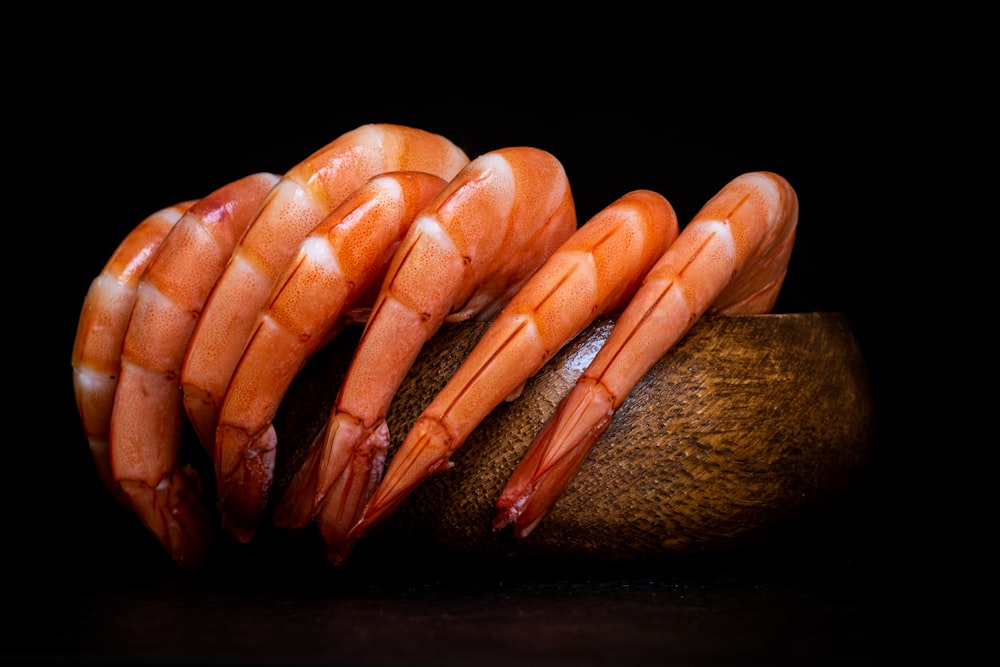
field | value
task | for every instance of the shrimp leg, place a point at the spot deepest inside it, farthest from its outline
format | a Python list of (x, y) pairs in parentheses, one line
[(338, 267), (299, 202), (730, 259), (97, 348), (593, 273), (147, 421), (465, 255)]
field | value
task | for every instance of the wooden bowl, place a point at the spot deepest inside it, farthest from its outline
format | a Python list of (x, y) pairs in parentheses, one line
[(747, 423)]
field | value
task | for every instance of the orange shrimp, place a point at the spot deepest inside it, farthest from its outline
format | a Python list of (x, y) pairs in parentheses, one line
[(303, 198), (593, 273), (338, 267), (730, 259), (97, 348), (464, 256), (147, 420)]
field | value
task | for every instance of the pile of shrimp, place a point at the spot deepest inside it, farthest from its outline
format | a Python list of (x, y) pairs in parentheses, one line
[(208, 310)]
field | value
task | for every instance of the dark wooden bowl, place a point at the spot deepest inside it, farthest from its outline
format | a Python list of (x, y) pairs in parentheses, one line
[(745, 424)]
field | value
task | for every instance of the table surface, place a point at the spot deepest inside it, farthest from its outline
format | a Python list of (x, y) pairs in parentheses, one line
[(827, 591)]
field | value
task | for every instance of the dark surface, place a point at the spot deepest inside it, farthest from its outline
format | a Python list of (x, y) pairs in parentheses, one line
[(824, 603), (87, 584)]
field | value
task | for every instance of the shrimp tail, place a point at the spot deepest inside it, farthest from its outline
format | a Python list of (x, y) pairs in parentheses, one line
[(551, 463), (174, 510)]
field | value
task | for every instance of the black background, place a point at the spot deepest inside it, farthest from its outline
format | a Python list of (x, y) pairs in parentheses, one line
[(122, 144)]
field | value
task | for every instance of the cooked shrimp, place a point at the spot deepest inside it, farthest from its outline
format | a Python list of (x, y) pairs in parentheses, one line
[(593, 273), (338, 267), (147, 421), (303, 198), (97, 349), (730, 259), (464, 256)]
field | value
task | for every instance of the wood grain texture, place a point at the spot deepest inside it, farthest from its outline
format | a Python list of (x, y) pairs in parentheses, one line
[(746, 424)]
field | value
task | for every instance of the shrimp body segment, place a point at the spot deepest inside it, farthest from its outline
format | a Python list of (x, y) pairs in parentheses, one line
[(593, 273), (301, 200), (97, 348), (464, 257), (148, 421), (730, 259), (338, 266)]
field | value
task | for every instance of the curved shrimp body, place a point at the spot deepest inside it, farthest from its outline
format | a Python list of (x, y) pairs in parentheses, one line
[(300, 201), (464, 256), (731, 258), (101, 329), (592, 274), (147, 421), (339, 263)]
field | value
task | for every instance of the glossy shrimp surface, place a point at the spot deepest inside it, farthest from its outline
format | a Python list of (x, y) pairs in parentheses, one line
[(301, 200), (730, 259), (592, 274), (464, 256), (148, 421), (338, 267), (97, 347)]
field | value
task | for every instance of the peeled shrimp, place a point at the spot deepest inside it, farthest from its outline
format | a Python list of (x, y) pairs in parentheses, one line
[(299, 202), (338, 267), (147, 421), (464, 256), (97, 347), (730, 259), (593, 273)]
